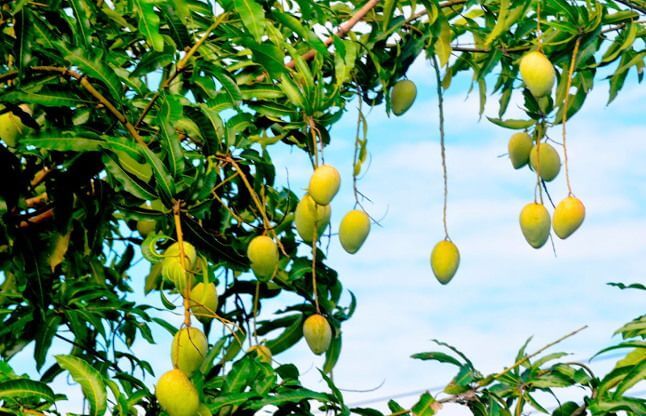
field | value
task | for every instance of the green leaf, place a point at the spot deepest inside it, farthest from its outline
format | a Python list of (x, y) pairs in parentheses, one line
[(512, 123), (74, 141), (443, 43), (45, 97), (129, 182), (500, 23), (437, 356), (170, 111), (95, 67), (424, 406), (636, 375), (90, 379), (19, 389), (332, 354), (289, 337), (253, 17), (149, 24)]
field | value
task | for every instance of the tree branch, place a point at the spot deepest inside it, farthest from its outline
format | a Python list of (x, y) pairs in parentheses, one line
[(638, 5), (341, 32)]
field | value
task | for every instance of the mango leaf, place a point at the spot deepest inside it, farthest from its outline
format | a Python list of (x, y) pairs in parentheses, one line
[(95, 67), (253, 17), (425, 406), (18, 389), (290, 336), (76, 141), (437, 356), (59, 248), (149, 24), (512, 123), (45, 97), (170, 111), (500, 23), (90, 379), (443, 43)]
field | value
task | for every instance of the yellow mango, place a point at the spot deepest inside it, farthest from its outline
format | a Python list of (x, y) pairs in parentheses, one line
[(176, 394), (545, 161), (402, 96), (262, 352), (310, 216), (262, 252), (353, 230), (535, 224), (11, 126), (204, 300), (188, 349), (324, 184), (568, 217), (519, 147), (317, 333), (537, 73), (445, 259)]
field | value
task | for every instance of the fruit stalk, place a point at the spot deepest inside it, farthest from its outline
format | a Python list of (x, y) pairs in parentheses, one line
[(182, 259), (568, 85), (440, 104)]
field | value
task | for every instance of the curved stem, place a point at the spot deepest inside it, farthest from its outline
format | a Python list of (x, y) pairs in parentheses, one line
[(440, 103)]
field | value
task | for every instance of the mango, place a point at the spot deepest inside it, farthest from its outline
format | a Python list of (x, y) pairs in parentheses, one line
[(262, 252), (324, 184), (146, 227), (203, 410), (353, 230), (317, 333), (204, 301), (310, 216), (535, 224), (188, 349), (445, 259), (172, 269), (568, 217), (11, 126), (262, 352), (519, 147), (545, 161), (537, 73), (402, 96), (176, 394)]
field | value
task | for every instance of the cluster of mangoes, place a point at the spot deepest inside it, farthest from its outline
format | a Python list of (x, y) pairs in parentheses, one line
[(311, 218), (539, 75)]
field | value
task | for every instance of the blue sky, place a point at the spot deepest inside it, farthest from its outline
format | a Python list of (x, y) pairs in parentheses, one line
[(504, 291)]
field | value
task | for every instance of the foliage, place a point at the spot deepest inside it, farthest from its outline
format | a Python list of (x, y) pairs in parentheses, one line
[(177, 105)]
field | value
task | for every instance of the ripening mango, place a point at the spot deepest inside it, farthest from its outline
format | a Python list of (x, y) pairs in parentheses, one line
[(538, 73), (324, 184), (11, 126), (519, 147), (317, 333), (146, 227), (188, 349), (310, 216), (262, 352), (402, 96), (353, 230), (203, 410), (262, 252), (445, 259), (176, 394), (568, 216), (545, 160), (204, 301), (173, 270), (535, 224)]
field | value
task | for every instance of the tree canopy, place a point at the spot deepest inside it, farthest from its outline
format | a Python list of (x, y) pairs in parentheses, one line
[(128, 126)]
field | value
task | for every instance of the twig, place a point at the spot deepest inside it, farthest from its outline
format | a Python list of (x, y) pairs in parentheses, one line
[(440, 104), (181, 65), (341, 32), (96, 94), (568, 85), (37, 218), (182, 260)]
